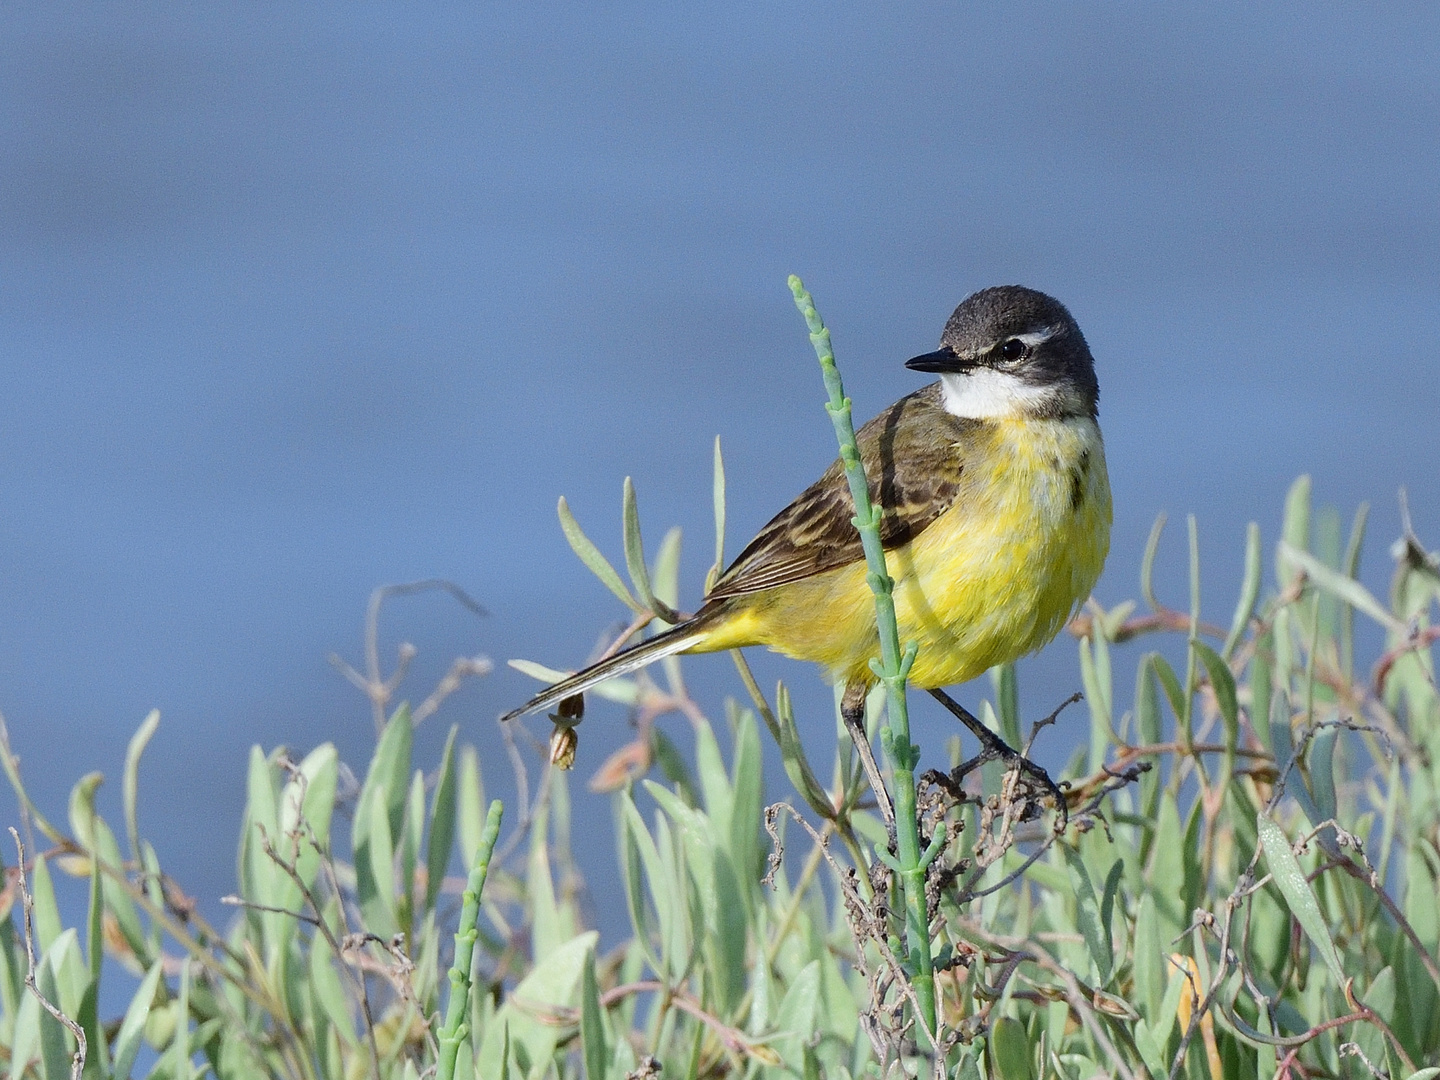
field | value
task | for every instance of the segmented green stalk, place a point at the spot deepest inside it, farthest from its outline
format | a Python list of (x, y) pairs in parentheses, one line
[(455, 1030), (892, 670)]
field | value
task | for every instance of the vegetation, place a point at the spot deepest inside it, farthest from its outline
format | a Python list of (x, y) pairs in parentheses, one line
[(1245, 884)]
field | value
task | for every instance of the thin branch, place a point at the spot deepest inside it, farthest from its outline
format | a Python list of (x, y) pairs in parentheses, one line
[(378, 689), (464, 667), (522, 790), (734, 1039), (1166, 619), (1419, 639), (862, 922), (231, 900), (303, 829), (77, 1062)]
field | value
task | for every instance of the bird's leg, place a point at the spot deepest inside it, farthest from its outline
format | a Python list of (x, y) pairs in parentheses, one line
[(994, 748), (852, 711)]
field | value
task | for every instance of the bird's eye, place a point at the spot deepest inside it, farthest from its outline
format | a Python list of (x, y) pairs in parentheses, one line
[(1013, 349)]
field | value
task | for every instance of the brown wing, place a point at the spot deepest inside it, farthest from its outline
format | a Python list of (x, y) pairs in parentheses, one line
[(914, 471)]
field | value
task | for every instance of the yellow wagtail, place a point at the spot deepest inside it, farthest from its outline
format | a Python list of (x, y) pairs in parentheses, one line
[(996, 523)]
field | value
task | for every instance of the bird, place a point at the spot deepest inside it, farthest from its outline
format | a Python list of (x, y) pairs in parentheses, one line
[(996, 515)]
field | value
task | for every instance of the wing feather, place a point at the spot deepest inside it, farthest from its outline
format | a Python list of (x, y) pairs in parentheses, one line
[(911, 458)]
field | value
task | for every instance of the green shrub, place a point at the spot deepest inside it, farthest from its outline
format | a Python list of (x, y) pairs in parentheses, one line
[(1262, 902), (1244, 883)]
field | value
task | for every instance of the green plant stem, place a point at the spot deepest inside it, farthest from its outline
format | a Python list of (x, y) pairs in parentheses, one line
[(454, 1031), (892, 670)]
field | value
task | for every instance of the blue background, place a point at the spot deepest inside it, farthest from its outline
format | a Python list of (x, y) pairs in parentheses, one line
[(298, 300)]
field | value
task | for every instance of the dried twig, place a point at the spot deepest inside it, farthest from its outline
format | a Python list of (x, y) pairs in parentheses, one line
[(868, 923), (378, 689), (734, 1039), (77, 1062), (464, 667), (303, 830), (1165, 619)]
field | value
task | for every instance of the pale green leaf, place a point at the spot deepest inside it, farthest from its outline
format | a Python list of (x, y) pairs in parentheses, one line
[(747, 786), (375, 864), (261, 817), (472, 805), (1011, 1053), (1294, 529), (665, 575), (390, 766), (442, 821), (1347, 589), (718, 496), (1147, 563), (1288, 875), (132, 1027), (48, 924), (592, 1024), (590, 555), (795, 1019), (131, 781), (1249, 591), (553, 983), (1148, 967), (56, 1043), (329, 992), (1097, 936), (635, 557), (82, 808), (641, 863), (309, 798)]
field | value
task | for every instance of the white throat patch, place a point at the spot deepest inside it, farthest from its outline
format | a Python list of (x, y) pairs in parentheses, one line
[(986, 394)]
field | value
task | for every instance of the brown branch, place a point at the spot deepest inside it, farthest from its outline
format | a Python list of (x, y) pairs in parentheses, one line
[(303, 829), (863, 924), (1361, 1014), (734, 1039), (1130, 753), (1089, 811), (250, 905), (1226, 960), (380, 690), (1372, 880), (463, 668), (1421, 639), (1083, 625)]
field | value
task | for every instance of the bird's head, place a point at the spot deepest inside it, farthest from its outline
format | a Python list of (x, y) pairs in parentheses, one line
[(1010, 351)]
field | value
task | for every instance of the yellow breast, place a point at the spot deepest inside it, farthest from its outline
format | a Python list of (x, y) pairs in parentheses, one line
[(991, 579)]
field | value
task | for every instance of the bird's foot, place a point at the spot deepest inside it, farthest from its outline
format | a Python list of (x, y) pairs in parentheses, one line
[(994, 748)]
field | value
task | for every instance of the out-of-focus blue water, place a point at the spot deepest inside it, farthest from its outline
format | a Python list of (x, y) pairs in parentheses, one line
[(299, 301)]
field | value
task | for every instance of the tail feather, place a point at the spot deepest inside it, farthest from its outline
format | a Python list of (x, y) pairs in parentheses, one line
[(676, 639)]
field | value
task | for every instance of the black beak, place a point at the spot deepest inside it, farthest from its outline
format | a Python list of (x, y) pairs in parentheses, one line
[(940, 361)]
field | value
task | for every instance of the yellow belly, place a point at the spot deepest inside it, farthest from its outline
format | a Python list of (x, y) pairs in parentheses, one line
[(993, 578)]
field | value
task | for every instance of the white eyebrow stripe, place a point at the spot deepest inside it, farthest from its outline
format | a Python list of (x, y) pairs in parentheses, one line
[(1039, 336)]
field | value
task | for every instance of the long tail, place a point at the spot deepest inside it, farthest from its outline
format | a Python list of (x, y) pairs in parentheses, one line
[(676, 639)]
